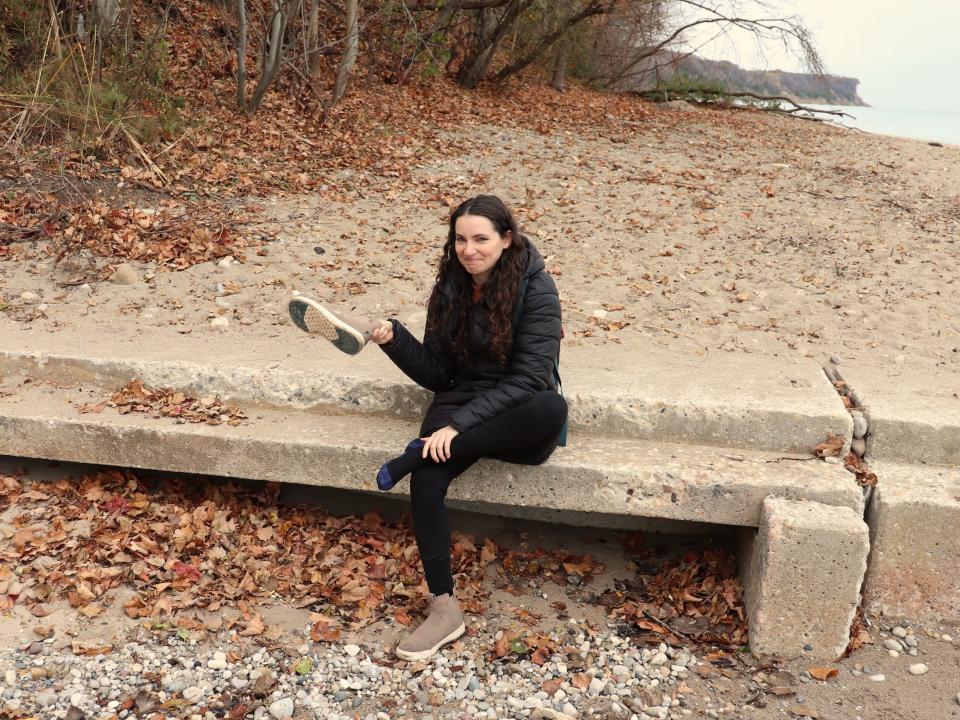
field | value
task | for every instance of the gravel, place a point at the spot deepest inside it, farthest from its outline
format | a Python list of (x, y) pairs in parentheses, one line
[(606, 674)]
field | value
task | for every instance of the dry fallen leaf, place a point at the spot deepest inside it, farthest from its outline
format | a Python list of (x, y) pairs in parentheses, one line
[(822, 673), (830, 447)]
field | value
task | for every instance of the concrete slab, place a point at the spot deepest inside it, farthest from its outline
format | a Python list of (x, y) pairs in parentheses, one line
[(765, 404), (593, 475), (913, 416), (802, 570), (914, 518)]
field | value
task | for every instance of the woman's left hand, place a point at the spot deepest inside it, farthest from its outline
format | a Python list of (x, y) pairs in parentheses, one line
[(437, 446)]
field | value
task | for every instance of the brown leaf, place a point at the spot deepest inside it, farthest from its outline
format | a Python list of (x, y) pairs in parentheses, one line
[(322, 632), (822, 673), (551, 686), (581, 680), (830, 447), (91, 610), (254, 626)]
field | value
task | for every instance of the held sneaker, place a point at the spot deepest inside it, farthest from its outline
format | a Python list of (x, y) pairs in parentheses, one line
[(347, 332), (444, 624)]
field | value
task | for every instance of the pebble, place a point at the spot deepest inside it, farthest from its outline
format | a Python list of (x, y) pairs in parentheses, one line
[(453, 684), (225, 262), (946, 638), (859, 446), (28, 296), (911, 641), (899, 631), (282, 708), (124, 275), (834, 358), (891, 644), (219, 323), (918, 669), (859, 425), (879, 677)]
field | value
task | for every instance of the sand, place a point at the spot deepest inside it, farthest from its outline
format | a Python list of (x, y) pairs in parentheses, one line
[(716, 231)]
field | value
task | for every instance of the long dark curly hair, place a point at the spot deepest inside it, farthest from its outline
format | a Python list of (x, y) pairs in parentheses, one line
[(500, 289)]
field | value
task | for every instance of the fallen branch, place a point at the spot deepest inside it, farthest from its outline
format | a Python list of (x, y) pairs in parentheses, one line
[(705, 97)]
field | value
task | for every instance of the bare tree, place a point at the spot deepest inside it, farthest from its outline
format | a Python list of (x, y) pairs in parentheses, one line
[(559, 77), (633, 57), (273, 49), (590, 9), (349, 57), (490, 27)]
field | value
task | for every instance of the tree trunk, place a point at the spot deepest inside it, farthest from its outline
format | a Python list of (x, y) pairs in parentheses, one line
[(242, 54), (486, 42), (55, 22), (313, 32), (349, 58), (560, 68), (273, 53), (591, 9)]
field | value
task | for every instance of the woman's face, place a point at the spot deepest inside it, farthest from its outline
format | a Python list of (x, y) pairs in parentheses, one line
[(479, 245)]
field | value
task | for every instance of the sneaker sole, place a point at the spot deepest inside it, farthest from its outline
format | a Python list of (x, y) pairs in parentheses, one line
[(314, 318), (424, 654)]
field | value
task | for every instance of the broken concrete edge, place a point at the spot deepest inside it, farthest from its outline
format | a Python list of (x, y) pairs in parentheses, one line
[(913, 517), (832, 374), (802, 570), (893, 437), (601, 412)]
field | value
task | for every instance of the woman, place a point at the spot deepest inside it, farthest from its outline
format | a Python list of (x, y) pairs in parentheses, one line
[(489, 354)]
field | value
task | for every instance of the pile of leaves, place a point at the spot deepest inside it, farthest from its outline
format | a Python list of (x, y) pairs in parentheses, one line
[(694, 598), (559, 566), (188, 545), (170, 235), (134, 397)]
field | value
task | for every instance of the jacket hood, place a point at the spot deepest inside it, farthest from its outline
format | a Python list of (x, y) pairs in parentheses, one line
[(535, 261)]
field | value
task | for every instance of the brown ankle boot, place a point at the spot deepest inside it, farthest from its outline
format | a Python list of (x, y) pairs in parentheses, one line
[(444, 624)]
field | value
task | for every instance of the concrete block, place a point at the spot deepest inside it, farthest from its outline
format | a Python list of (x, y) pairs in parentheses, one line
[(765, 405), (914, 519), (592, 475), (802, 570), (913, 414)]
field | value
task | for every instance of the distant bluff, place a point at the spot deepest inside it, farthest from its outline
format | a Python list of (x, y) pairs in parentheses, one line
[(664, 68)]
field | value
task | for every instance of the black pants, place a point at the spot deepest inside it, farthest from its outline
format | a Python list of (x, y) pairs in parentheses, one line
[(526, 435)]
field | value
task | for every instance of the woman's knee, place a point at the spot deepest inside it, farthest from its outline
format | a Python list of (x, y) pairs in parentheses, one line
[(552, 406)]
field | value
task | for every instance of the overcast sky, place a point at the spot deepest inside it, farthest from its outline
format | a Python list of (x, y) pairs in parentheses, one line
[(905, 54)]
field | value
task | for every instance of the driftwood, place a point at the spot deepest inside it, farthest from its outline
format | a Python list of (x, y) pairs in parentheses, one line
[(706, 97)]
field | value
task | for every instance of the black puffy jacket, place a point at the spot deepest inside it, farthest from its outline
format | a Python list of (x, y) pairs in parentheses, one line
[(473, 394)]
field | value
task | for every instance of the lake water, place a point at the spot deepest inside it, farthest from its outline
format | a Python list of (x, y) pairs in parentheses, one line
[(938, 126)]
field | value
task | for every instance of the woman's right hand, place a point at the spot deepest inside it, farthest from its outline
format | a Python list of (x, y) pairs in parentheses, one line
[(382, 334)]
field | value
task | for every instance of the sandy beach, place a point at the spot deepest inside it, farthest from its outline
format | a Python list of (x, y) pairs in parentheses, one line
[(692, 231)]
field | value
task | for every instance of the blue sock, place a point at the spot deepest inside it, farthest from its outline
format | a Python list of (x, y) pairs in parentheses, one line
[(397, 469)]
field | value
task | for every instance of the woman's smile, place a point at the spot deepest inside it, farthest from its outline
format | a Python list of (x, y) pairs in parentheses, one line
[(479, 246)]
